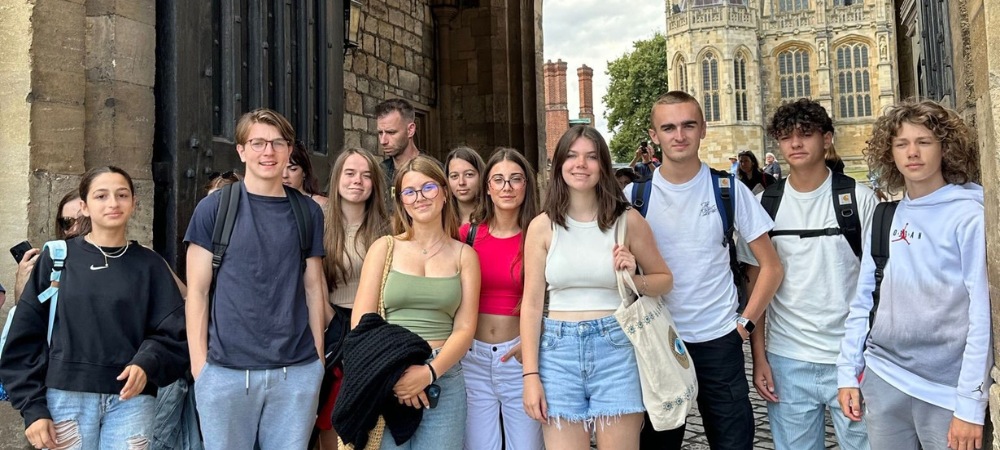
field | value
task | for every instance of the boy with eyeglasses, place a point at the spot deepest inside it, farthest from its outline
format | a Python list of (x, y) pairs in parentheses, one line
[(257, 354)]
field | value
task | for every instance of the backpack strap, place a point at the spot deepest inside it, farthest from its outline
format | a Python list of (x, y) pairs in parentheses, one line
[(725, 203), (225, 221), (300, 209), (771, 198), (471, 237), (641, 191), (845, 203), (881, 236), (57, 252)]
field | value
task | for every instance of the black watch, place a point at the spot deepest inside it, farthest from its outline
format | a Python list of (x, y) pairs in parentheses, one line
[(747, 324)]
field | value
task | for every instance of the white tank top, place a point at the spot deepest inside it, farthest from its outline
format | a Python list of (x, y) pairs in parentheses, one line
[(579, 268)]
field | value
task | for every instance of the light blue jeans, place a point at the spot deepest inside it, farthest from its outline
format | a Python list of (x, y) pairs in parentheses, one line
[(804, 391), (89, 421), (442, 427), (175, 426), (275, 407)]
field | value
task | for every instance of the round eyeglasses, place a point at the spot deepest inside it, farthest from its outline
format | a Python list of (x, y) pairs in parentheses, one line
[(427, 191)]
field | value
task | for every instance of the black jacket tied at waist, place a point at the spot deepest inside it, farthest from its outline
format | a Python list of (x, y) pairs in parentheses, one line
[(375, 355)]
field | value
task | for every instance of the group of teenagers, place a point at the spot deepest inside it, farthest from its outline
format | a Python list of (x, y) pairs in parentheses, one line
[(502, 301)]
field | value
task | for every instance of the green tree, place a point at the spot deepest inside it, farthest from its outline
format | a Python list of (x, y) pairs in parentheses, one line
[(638, 78)]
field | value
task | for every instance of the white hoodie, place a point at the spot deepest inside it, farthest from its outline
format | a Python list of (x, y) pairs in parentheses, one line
[(931, 338)]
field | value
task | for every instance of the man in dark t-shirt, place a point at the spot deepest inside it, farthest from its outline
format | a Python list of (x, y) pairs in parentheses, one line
[(257, 346)]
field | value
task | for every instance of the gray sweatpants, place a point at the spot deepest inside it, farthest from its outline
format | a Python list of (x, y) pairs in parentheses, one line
[(276, 407), (898, 421)]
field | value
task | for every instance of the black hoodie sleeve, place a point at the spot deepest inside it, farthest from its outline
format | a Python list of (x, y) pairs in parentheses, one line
[(25, 358), (163, 354)]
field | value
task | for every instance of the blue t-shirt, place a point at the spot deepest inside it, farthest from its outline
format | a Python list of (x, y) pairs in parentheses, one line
[(259, 319)]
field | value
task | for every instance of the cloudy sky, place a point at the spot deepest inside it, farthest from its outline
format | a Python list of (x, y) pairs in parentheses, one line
[(594, 32)]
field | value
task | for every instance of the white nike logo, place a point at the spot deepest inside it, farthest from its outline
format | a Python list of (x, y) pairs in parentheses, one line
[(93, 267)]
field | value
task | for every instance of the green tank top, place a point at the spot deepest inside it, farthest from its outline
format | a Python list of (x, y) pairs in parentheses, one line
[(423, 305)]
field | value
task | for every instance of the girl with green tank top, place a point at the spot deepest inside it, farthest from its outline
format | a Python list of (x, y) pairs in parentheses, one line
[(432, 289)]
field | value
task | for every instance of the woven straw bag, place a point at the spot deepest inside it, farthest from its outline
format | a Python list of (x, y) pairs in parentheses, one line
[(376, 434)]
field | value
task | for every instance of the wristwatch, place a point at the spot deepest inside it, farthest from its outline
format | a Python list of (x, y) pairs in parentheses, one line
[(747, 324)]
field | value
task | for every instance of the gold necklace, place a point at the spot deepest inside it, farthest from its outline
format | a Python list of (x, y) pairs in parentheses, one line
[(426, 249)]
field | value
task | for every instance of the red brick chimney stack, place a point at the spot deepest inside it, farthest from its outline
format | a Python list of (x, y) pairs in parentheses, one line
[(586, 76), (556, 111)]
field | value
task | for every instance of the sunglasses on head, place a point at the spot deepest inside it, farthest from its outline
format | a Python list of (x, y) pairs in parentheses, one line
[(230, 175)]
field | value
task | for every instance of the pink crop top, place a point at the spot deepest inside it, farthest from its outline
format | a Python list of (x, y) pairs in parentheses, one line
[(501, 286)]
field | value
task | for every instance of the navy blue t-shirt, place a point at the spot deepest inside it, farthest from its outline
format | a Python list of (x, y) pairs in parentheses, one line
[(259, 319)]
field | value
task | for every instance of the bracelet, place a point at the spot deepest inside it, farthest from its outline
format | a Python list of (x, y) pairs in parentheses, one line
[(645, 287), (529, 373), (434, 375)]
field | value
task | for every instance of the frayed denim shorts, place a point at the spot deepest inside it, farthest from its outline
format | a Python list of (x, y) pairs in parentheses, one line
[(588, 371)]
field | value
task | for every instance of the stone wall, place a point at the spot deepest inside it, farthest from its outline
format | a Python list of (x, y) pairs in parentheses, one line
[(76, 91), (395, 60)]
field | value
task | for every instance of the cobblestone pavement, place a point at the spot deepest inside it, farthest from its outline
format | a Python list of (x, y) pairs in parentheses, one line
[(695, 437)]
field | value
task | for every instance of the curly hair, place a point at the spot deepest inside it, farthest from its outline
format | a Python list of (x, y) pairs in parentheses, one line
[(803, 114), (959, 152)]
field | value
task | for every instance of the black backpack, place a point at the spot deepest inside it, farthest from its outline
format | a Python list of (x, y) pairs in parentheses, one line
[(845, 203), (881, 237), (225, 220), (725, 203)]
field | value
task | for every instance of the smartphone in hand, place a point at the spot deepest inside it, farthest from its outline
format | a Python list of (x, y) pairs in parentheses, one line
[(433, 394), (19, 250)]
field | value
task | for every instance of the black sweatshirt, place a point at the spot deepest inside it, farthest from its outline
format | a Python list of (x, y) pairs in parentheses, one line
[(129, 312)]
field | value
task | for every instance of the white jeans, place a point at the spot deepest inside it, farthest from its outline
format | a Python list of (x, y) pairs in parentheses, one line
[(496, 388)]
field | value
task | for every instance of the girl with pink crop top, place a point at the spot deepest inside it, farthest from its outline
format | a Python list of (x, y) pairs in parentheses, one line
[(493, 364), (579, 366)]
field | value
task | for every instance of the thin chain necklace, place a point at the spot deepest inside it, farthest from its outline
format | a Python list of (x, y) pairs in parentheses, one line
[(425, 249), (113, 255)]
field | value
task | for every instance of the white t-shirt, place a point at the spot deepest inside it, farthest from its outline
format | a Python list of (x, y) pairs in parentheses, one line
[(805, 320), (688, 231)]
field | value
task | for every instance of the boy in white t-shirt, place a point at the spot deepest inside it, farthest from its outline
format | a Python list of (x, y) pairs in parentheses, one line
[(685, 220), (797, 374)]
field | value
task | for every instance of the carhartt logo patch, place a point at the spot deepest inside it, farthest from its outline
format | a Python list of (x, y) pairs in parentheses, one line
[(845, 199)]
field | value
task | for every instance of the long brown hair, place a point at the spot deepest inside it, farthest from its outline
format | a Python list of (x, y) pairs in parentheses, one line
[(67, 233), (300, 157), (485, 212), (611, 202), (402, 223), (337, 264)]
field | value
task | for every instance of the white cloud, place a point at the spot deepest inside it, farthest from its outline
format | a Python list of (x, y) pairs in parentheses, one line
[(595, 32)]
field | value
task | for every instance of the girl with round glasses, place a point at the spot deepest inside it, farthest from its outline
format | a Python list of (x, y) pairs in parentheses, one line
[(117, 334), (464, 168), (492, 365), (432, 290), (579, 366)]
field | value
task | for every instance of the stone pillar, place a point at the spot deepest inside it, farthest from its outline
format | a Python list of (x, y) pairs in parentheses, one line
[(120, 68), (556, 111), (586, 77)]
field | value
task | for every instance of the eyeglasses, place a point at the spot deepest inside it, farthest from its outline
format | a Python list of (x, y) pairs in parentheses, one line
[(66, 223), (258, 145), (515, 181), (230, 176), (428, 191)]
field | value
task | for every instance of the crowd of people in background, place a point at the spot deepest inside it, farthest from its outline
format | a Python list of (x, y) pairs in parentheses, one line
[(481, 310)]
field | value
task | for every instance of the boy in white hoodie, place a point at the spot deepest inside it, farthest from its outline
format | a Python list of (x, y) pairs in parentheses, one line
[(923, 370)]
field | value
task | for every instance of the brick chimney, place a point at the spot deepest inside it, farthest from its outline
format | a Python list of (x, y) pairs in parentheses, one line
[(586, 76), (556, 111)]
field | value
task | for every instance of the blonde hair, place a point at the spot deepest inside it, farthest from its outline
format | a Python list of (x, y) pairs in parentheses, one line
[(402, 223)]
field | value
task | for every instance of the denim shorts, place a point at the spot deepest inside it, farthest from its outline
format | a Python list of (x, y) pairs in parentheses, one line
[(588, 370)]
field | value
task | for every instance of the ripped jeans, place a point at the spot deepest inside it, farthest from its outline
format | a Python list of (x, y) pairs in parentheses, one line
[(89, 421)]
